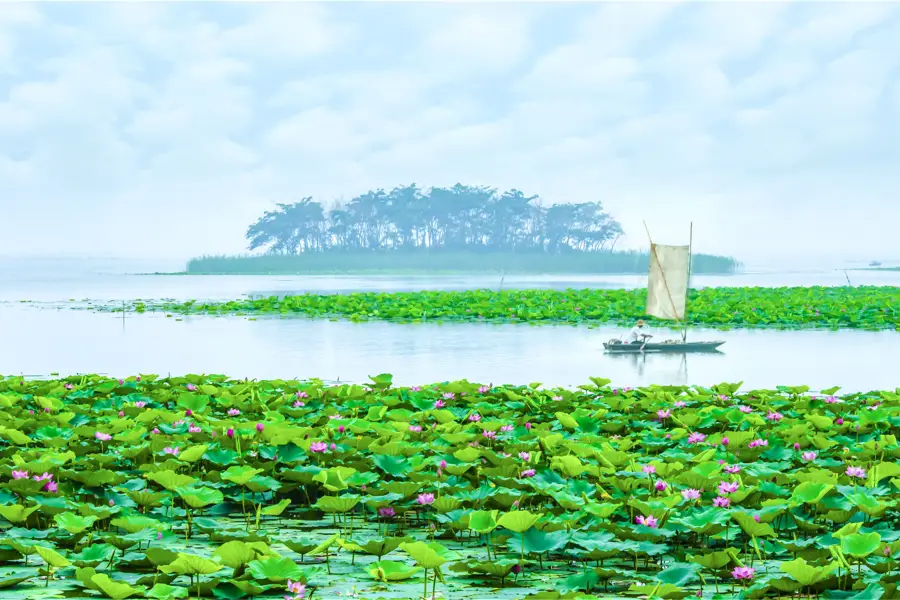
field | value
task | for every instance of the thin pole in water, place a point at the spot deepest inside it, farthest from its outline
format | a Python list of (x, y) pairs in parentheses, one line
[(848, 278), (687, 291)]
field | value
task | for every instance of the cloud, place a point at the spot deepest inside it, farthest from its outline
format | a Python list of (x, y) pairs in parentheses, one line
[(152, 129)]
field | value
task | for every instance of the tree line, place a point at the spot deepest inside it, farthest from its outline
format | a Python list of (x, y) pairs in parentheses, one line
[(462, 217)]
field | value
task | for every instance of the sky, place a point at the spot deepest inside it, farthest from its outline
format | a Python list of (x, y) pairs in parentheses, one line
[(163, 130)]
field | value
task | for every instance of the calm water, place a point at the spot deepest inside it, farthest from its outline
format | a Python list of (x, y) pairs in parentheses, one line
[(40, 341), (41, 285)]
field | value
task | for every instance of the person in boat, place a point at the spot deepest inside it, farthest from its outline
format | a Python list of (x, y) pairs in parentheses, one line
[(637, 334)]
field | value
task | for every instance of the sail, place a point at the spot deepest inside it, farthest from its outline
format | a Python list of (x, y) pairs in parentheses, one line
[(667, 283)]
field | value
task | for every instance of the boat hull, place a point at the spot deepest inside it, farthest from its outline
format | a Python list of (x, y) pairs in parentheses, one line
[(678, 347)]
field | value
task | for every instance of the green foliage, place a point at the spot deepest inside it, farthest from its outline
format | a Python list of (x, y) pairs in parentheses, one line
[(861, 307), (597, 495)]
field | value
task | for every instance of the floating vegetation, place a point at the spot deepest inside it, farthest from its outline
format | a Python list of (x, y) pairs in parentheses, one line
[(873, 307), (158, 488)]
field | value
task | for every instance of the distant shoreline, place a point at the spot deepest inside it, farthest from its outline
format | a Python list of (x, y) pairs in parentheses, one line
[(447, 262)]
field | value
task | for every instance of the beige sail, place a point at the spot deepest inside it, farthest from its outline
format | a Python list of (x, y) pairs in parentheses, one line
[(667, 283)]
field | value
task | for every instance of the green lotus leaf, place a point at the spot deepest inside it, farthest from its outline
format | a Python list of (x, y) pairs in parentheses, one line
[(17, 513), (483, 521), (389, 570), (240, 475), (171, 480), (428, 555), (162, 591), (275, 569), (193, 454), (52, 557), (117, 590), (518, 520), (860, 545), (191, 564), (198, 497), (73, 523), (806, 574)]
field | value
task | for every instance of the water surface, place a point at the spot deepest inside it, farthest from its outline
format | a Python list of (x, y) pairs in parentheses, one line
[(39, 342)]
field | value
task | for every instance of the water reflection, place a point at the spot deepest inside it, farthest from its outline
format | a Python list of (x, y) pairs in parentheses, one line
[(38, 342)]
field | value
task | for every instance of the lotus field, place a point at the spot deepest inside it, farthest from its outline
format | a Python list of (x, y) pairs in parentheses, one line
[(210, 487), (786, 308)]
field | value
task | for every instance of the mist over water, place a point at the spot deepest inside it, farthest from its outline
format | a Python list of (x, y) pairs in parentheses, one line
[(49, 336)]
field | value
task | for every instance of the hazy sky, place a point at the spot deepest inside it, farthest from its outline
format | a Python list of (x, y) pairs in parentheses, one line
[(146, 129)]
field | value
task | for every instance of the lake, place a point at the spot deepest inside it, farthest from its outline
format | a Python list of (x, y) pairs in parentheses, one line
[(42, 340)]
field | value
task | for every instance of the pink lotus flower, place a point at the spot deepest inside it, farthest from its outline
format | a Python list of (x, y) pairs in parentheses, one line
[(298, 404), (721, 502), (474, 417), (663, 414), (425, 499), (302, 395), (742, 573), (335, 416), (526, 456), (774, 416), (233, 412), (679, 404), (415, 428), (857, 472), (170, 450), (725, 441), (660, 485), (727, 487), (154, 431), (296, 588), (528, 473), (50, 487), (484, 389), (189, 413), (194, 429), (757, 443), (756, 518), (648, 521), (439, 404), (648, 469), (745, 409), (341, 429), (489, 434), (318, 447), (333, 446), (839, 421), (833, 400), (20, 474), (690, 494), (796, 445), (386, 512), (809, 456), (103, 437), (191, 387), (140, 404), (442, 465), (732, 469), (506, 428), (69, 386), (415, 388), (527, 425), (696, 438), (230, 432), (448, 396)]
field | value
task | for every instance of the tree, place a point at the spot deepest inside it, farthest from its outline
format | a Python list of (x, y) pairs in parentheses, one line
[(461, 217)]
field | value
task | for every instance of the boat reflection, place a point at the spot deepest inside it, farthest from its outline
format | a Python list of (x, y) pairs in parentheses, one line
[(658, 361)]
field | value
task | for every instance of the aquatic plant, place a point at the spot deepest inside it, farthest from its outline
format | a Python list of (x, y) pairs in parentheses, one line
[(871, 307), (582, 491)]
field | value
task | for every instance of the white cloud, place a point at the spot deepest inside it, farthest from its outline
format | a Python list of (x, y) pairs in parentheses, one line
[(769, 125)]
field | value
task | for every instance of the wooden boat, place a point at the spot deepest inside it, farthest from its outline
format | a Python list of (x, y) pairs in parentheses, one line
[(668, 282), (619, 347)]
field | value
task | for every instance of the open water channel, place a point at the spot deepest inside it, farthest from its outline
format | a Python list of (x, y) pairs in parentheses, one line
[(45, 336)]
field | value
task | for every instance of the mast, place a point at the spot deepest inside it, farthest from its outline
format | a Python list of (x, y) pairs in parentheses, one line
[(688, 289)]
